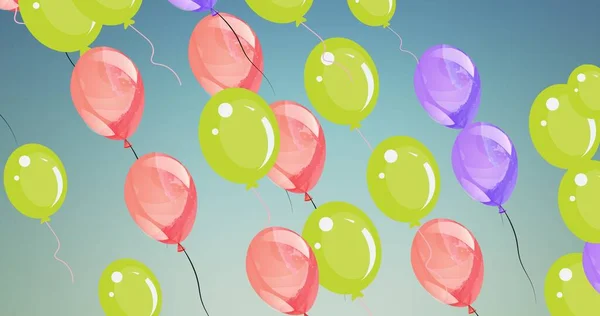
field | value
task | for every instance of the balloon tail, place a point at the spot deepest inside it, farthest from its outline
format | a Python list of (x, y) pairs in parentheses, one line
[(472, 310), (152, 54), (502, 210), (57, 250), (10, 129), (312, 202), (362, 302), (70, 60), (265, 206), (197, 280), (127, 144), (324, 57), (401, 41), (364, 139), (15, 18), (429, 261), (289, 200)]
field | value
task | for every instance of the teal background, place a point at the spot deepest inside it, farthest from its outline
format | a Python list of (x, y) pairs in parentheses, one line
[(520, 47)]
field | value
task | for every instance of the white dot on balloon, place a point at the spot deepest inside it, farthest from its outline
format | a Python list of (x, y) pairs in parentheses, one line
[(559, 294), (317, 246), (36, 5), (543, 123), (326, 224), (24, 161), (16, 178), (111, 294), (581, 77), (576, 90), (565, 274), (327, 59), (319, 79), (381, 175), (215, 131), (552, 104), (390, 156), (225, 110), (572, 198), (116, 277), (581, 179)]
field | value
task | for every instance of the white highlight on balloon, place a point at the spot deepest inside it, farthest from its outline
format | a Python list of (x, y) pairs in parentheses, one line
[(225, 110), (215, 131), (327, 59), (552, 104), (116, 277), (543, 123), (390, 156), (317, 246), (581, 77), (581, 179), (319, 79), (24, 161), (326, 224), (36, 5), (111, 294), (559, 295), (16, 178), (572, 198), (565, 274), (382, 175)]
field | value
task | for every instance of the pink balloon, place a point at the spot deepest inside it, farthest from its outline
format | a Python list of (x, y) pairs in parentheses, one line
[(301, 156), (9, 5), (108, 93), (160, 195), (282, 270), (216, 58), (447, 261)]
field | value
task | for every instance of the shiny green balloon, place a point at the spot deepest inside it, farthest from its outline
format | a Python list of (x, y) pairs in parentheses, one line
[(373, 12), (59, 25), (281, 12), (567, 290), (403, 179), (35, 181), (341, 81), (239, 136), (561, 135), (346, 245), (127, 287), (585, 81), (579, 199), (110, 12)]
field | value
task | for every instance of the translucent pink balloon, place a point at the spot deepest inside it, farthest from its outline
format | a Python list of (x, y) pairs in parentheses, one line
[(9, 5), (283, 271), (218, 61), (108, 92), (301, 156), (160, 195)]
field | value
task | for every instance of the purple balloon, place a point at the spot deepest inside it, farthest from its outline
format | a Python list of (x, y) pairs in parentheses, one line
[(591, 264), (485, 163), (448, 86), (194, 5)]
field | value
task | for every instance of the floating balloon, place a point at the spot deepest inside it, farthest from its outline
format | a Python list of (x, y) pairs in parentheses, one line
[(108, 93), (373, 12), (447, 261), (35, 181), (347, 247), (341, 81), (403, 179), (301, 158), (217, 59), (585, 82), (195, 5), (591, 264), (578, 200), (239, 136), (128, 287), (276, 11), (282, 270), (59, 25), (485, 163), (160, 195), (110, 12), (561, 135), (8, 5), (448, 86), (567, 291)]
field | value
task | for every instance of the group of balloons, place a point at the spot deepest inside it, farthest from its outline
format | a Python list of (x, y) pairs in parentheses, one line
[(563, 125)]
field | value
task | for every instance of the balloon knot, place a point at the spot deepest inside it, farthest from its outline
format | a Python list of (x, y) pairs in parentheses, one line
[(501, 209), (251, 186), (386, 25), (180, 248), (83, 51), (307, 198), (471, 310), (126, 144), (414, 224), (357, 295), (355, 126), (44, 220), (214, 12), (128, 24), (300, 21)]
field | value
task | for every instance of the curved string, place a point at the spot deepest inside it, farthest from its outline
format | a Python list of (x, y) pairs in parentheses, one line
[(128, 145), (70, 60), (289, 200), (56, 253), (401, 41), (15, 18), (323, 56), (313, 203), (362, 302), (265, 206), (10, 129), (152, 54), (476, 314), (197, 280), (364, 139)]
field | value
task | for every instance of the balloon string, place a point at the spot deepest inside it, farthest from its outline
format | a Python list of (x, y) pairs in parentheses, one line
[(502, 210), (324, 56), (197, 280), (361, 301), (265, 206), (152, 54), (476, 314), (15, 18), (313, 203), (57, 250), (11, 130), (289, 200), (364, 138), (133, 151), (402, 49), (244, 51), (70, 60)]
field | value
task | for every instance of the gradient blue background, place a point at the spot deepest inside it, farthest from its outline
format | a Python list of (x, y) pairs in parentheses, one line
[(519, 46)]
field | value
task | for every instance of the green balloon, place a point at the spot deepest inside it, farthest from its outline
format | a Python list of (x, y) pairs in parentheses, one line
[(341, 81), (110, 12), (403, 179), (567, 290), (127, 287), (35, 181), (346, 245), (239, 136), (561, 135), (281, 12), (585, 81), (59, 25)]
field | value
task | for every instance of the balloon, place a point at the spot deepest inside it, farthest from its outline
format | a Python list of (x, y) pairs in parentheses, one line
[(347, 247), (195, 5), (35, 181), (373, 12), (239, 136), (403, 179), (567, 291), (585, 82), (578, 200), (447, 261), (341, 81), (59, 25), (108, 93), (448, 86), (216, 58), (110, 12), (128, 287), (8, 5), (282, 270), (160, 195), (301, 158), (591, 264), (561, 136), (281, 12), (485, 163)]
